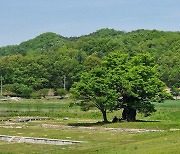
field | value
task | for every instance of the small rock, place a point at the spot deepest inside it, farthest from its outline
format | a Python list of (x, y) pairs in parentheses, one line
[(174, 129), (65, 118)]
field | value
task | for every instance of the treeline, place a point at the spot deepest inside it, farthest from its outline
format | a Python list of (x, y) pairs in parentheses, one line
[(45, 61)]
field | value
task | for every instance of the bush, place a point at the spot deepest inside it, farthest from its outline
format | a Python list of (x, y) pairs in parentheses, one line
[(16, 89), (8, 90), (44, 92), (36, 94), (24, 91), (175, 92), (61, 92)]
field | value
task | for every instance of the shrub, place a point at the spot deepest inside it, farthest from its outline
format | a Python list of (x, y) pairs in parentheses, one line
[(36, 94), (61, 92), (44, 92)]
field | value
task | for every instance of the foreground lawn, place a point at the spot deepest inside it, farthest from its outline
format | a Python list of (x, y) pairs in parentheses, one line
[(97, 141), (166, 118)]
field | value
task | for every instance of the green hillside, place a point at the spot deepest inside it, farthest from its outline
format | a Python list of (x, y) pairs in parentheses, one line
[(38, 44), (43, 62)]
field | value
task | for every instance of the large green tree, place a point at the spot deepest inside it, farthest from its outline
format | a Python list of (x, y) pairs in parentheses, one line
[(95, 87), (123, 81), (137, 81)]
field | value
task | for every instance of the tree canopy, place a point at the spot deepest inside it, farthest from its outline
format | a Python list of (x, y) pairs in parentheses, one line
[(95, 87), (123, 81)]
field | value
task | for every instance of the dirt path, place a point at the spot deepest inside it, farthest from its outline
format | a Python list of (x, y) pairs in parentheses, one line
[(132, 130)]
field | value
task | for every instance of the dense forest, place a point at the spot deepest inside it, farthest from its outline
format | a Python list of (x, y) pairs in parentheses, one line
[(47, 60)]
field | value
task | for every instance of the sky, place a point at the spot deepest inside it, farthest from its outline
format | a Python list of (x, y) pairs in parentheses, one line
[(21, 20)]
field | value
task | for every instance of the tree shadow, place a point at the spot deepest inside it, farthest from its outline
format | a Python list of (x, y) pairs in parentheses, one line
[(100, 123), (147, 121), (85, 124)]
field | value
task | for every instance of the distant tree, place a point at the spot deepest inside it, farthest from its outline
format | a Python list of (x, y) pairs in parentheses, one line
[(63, 63), (35, 95), (92, 62), (8, 90), (44, 92), (106, 32), (22, 90), (175, 92), (61, 92)]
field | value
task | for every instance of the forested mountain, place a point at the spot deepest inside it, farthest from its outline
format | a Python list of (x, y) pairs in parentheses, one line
[(106, 33), (38, 44), (44, 61)]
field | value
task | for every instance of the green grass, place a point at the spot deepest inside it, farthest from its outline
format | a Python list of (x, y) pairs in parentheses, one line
[(97, 141), (167, 117)]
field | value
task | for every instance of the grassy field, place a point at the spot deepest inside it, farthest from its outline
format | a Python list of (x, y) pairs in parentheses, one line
[(166, 118)]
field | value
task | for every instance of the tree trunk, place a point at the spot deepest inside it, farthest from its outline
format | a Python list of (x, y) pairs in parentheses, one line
[(129, 114), (124, 114), (104, 116)]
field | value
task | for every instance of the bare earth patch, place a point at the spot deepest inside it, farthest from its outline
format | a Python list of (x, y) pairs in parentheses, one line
[(132, 130), (22, 139)]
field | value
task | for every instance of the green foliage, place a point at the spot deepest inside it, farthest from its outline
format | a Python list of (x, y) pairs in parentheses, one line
[(22, 90), (92, 62), (40, 93), (175, 92), (16, 89), (43, 62), (94, 87), (38, 45), (86, 106), (61, 92), (136, 79), (8, 90), (44, 92), (35, 95), (123, 81), (106, 32)]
